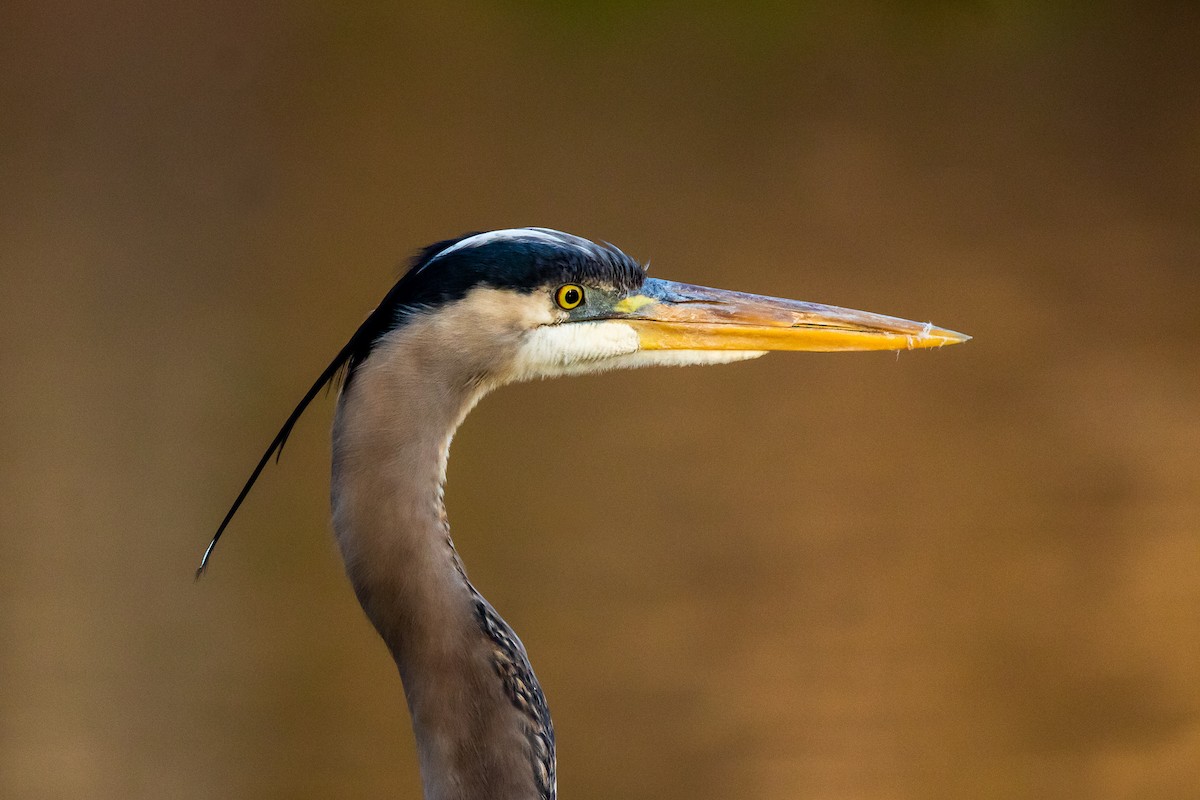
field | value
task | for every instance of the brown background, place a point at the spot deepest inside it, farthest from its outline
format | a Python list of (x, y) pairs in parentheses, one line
[(968, 573)]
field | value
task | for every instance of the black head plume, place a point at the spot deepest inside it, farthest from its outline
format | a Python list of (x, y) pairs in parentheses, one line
[(521, 259)]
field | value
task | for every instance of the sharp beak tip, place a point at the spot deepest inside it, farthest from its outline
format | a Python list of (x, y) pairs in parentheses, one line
[(953, 337), (940, 337)]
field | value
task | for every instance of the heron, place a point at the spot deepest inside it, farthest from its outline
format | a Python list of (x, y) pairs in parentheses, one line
[(471, 314)]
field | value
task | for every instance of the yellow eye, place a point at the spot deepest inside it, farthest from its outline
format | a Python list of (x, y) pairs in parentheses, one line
[(569, 296)]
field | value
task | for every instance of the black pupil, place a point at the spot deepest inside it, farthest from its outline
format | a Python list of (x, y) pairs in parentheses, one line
[(571, 296)]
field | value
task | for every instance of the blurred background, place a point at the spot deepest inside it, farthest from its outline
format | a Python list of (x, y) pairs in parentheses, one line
[(966, 573)]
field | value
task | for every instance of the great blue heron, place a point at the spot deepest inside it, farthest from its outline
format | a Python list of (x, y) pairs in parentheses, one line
[(472, 314)]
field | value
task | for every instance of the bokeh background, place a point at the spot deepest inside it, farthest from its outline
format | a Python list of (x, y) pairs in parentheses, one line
[(962, 573)]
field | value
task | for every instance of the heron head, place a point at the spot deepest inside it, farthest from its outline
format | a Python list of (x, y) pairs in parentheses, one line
[(525, 303)]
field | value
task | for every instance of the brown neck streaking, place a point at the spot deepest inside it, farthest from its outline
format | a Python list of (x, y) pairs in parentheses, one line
[(478, 714)]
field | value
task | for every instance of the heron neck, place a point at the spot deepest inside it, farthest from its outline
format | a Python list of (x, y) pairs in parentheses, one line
[(466, 677)]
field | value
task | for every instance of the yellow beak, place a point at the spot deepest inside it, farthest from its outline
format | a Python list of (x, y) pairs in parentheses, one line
[(678, 316)]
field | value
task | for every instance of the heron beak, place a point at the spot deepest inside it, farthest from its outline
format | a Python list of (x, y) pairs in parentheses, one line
[(677, 316)]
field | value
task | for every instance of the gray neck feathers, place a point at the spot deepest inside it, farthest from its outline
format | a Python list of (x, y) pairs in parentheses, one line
[(478, 713)]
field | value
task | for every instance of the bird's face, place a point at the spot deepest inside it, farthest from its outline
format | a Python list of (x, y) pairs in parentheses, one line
[(581, 326), (512, 305)]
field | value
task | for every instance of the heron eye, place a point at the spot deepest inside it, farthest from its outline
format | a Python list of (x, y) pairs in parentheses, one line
[(569, 296)]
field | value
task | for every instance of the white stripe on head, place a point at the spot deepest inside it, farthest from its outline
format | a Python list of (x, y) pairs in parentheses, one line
[(516, 234)]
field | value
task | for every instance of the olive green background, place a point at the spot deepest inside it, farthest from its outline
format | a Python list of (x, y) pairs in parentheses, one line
[(968, 573)]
